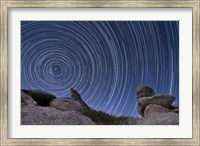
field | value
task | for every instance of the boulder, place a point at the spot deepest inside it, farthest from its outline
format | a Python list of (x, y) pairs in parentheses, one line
[(67, 105), (42, 98), (144, 91), (163, 100), (27, 100), (38, 115), (169, 118), (153, 108)]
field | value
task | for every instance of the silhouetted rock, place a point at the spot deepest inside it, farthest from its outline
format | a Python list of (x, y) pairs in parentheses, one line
[(153, 108), (27, 100), (76, 96), (144, 91), (67, 105), (42, 98), (169, 118), (37, 115)]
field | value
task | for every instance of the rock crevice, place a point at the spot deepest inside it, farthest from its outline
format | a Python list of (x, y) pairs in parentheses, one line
[(156, 109)]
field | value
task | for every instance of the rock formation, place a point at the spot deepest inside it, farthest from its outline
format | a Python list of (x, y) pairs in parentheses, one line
[(67, 105), (42, 98), (41, 108), (144, 91), (38, 115), (27, 100), (156, 109), (76, 96), (168, 118), (162, 100)]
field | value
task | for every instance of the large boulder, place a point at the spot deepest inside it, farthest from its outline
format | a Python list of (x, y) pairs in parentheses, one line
[(153, 108), (169, 118), (27, 100), (67, 105), (42, 98), (37, 115), (163, 100), (144, 91)]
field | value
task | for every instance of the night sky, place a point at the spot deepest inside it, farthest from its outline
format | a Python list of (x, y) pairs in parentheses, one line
[(104, 61)]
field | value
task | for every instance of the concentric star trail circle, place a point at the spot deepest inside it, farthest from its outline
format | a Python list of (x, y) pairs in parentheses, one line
[(104, 60)]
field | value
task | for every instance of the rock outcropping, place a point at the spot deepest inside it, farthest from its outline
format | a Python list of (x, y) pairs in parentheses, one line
[(27, 100), (76, 96), (168, 118), (67, 105), (156, 109), (41, 108), (73, 103), (42, 98), (144, 91), (38, 115)]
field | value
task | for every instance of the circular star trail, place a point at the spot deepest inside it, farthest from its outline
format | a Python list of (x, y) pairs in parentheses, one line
[(104, 61)]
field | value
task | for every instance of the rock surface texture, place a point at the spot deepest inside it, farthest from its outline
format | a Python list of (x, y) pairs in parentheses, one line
[(38, 115), (67, 105), (41, 108), (168, 118), (27, 100), (156, 109)]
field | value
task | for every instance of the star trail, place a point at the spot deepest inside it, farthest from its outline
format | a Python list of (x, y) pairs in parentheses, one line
[(104, 61)]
